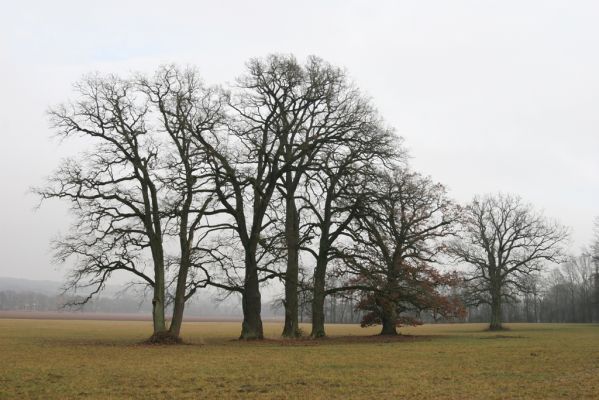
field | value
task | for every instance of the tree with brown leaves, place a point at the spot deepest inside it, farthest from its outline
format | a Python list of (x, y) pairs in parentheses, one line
[(397, 239)]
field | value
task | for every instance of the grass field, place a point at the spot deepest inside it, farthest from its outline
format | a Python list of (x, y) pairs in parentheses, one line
[(53, 359)]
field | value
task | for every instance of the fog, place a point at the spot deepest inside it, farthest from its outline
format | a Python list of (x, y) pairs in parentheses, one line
[(489, 96)]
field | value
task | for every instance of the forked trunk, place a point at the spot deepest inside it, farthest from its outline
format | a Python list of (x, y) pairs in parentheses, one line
[(160, 335)]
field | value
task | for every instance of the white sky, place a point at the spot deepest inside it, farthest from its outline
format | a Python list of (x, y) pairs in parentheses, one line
[(489, 95)]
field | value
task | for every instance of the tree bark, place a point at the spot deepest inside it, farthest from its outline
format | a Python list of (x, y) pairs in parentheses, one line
[(158, 298), (495, 324), (318, 311), (291, 327), (184, 265), (179, 303), (251, 302), (389, 321), (318, 295), (319, 283)]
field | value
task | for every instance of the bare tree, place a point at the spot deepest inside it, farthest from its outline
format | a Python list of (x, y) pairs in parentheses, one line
[(248, 164), (578, 271), (532, 297), (143, 183), (336, 188), (113, 190), (504, 241), (314, 108), (282, 116), (185, 109)]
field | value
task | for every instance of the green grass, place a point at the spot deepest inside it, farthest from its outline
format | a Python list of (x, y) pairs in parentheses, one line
[(102, 359)]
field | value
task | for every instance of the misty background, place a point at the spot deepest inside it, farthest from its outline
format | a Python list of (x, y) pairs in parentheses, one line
[(489, 96)]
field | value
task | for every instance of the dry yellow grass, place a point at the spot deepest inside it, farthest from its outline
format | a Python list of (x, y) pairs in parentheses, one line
[(53, 359)]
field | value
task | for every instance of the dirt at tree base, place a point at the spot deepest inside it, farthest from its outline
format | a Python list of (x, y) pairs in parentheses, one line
[(163, 338)]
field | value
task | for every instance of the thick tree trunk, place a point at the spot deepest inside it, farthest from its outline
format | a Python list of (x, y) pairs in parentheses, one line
[(158, 302), (318, 298), (291, 327), (495, 324), (387, 305), (160, 335), (158, 299), (389, 321), (319, 283), (251, 302), (158, 309)]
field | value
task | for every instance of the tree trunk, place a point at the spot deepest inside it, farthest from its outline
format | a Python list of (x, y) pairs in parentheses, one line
[(158, 299), (389, 320), (291, 327), (158, 303), (179, 303), (495, 324), (319, 283), (386, 304), (318, 303), (251, 303), (185, 240)]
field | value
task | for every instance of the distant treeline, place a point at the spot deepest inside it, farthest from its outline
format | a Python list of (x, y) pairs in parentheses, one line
[(33, 301), (569, 293), (338, 309), (27, 300)]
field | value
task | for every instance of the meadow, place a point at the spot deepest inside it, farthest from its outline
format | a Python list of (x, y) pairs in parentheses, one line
[(63, 359)]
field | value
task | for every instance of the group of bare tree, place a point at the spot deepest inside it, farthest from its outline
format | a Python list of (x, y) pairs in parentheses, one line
[(288, 175), (570, 293)]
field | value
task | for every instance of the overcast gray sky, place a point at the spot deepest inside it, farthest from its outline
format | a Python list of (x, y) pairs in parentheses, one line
[(489, 95)]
